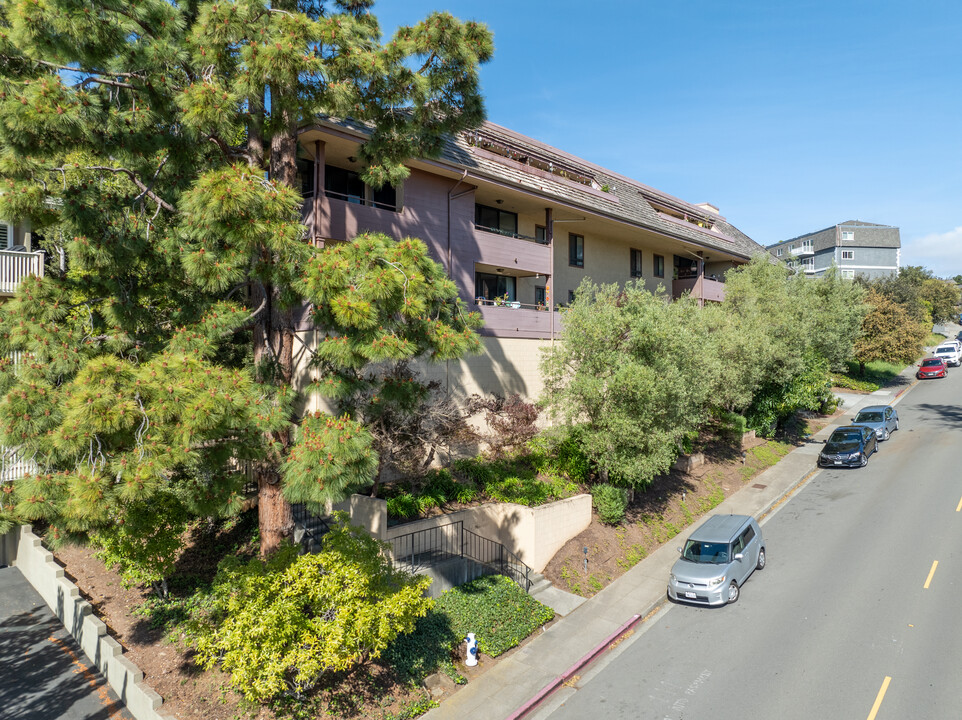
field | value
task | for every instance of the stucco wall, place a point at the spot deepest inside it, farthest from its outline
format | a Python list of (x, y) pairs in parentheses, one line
[(24, 550), (533, 534)]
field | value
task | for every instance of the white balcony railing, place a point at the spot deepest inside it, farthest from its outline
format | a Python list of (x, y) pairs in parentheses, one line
[(803, 250), (15, 265)]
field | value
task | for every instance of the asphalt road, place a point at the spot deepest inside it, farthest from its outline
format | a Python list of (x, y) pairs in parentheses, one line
[(854, 616)]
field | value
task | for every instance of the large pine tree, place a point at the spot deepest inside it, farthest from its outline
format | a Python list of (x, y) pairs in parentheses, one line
[(153, 145)]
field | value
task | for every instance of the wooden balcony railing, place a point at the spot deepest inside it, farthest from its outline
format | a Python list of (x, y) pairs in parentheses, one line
[(15, 266)]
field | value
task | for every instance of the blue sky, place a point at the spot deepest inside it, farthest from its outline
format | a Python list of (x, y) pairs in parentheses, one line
[(789, 117)]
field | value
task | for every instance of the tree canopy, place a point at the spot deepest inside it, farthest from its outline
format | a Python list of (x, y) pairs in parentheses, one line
[(154, 146)]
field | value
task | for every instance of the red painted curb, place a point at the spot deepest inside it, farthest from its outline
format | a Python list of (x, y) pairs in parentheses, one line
[(566, 675)]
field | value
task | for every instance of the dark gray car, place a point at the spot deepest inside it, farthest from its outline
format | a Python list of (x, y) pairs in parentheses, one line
[(716, 560), (883, 419)]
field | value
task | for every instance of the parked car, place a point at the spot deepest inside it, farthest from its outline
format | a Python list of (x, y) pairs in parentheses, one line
[(883, 419), (932, 367), (848, 446), (717, 560), (950, 353)]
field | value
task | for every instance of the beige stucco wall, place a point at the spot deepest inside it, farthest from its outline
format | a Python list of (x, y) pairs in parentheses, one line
[(533, 534), (506, 366)]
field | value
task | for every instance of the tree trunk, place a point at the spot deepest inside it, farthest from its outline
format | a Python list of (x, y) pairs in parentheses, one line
[(274, 359)]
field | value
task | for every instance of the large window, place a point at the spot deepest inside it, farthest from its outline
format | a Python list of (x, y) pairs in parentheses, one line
[(659, 262), (496, 220), (540, 296), (576, 250), (635, 263), (848, 236), (489, 287), (344, 184), (541, 234), (305, 174)]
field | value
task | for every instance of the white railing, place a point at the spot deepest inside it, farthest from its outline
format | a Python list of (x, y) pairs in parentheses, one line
[(13, 467), (16, 265), (804, 250)]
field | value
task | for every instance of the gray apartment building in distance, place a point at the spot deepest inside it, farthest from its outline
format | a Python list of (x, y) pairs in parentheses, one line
[(856, 247)]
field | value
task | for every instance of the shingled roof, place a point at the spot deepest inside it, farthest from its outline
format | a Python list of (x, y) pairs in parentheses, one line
[(498, 154)]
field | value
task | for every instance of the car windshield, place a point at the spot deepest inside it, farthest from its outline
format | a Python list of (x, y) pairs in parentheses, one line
[(705, 552), (843, 437), (931, 362), (869, 417), (943, 351)]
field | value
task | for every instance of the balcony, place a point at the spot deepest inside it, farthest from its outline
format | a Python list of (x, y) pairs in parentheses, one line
[(516, 319), (700, 288), (15, 265), (803, 251), (506, 233)]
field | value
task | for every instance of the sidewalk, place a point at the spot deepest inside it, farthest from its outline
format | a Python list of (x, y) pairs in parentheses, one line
[(511, 686)]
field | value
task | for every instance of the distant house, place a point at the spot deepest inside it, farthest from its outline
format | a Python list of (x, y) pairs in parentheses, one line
[(857, 248)]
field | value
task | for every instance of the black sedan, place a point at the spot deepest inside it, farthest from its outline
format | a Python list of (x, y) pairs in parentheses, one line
[(849, 446)]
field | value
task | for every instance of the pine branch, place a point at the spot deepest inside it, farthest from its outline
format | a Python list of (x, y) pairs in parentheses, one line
[(136, 181)]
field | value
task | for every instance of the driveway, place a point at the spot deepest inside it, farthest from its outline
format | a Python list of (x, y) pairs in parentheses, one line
[(43, 673)]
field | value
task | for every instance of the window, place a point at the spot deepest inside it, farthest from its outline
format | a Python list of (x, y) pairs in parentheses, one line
[(7, 240), (659, 262), (635, 263), (848, 254), (541, 234), (347, 185), (540, 296), (305, 174), (496, 220), (778, 253), (489, 287), (571, 296), (848, 274), (576, 250), (848, 235)]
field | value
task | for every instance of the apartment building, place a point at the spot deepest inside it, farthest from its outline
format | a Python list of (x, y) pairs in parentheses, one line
[(855, 247), (518, 224)]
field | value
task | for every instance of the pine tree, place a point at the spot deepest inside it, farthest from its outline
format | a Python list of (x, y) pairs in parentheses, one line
[(154, 144)]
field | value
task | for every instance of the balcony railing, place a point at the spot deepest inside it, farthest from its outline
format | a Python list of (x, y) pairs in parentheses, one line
[(701, 288), (505, 233), (358, 200), (803, 250), (510, 304), (15, 265)]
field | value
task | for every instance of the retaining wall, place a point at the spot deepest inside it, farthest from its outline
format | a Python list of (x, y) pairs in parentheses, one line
[(533, 534), (23, 549)]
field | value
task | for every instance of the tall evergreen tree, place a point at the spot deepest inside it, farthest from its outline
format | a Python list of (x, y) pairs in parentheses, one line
[(154, 144)]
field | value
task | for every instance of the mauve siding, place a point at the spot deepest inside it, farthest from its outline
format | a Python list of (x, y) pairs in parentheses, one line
[(424, 215)]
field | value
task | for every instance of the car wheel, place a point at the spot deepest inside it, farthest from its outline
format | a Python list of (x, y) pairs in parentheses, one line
[(732, 592), (761, 560), (863, 460), (886, 434)]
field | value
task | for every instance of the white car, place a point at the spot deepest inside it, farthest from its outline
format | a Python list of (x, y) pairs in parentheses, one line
[(950, 353)]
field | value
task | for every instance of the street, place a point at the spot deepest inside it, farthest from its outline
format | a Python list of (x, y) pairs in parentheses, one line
[(852, 618)]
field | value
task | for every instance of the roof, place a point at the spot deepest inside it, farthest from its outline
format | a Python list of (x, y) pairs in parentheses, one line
[(866, 234), (501, 155), (719, 528)]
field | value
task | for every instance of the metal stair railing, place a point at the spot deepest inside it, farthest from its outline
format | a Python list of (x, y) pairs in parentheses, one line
[(432, 546)]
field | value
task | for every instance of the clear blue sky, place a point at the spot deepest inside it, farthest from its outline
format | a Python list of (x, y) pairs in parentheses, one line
[(789, 117)]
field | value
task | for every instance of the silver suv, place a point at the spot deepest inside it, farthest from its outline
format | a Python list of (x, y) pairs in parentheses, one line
[(716, 560), (950, 353)]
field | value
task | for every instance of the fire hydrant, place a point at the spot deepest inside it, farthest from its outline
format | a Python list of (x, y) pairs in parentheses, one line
[(471, 658)]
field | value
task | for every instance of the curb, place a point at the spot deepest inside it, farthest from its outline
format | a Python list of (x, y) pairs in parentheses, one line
[(606, 644)]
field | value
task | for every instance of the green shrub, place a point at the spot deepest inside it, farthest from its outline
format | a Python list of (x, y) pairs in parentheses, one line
[(403, 506), (425, 651), (558, 452), (496, 610), (280, 624), (732, 425), (610, 502)]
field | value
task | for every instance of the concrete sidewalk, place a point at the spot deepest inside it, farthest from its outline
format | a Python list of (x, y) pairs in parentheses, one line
[(507, 689)]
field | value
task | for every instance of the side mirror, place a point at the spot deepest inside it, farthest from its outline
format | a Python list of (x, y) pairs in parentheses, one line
[(739, 556), (678, 549)]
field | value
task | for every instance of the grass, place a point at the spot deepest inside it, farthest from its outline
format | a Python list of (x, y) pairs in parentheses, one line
[(877, 374), (934, 339)]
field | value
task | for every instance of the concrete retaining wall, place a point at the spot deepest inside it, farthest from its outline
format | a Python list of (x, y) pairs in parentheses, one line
[(533, 534), (24, 550)]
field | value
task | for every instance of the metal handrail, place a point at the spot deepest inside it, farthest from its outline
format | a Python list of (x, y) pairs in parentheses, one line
[(511, 304), (432, 546), (359, 200)]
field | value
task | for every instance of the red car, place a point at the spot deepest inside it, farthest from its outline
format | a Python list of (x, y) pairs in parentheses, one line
[(932, 368)]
